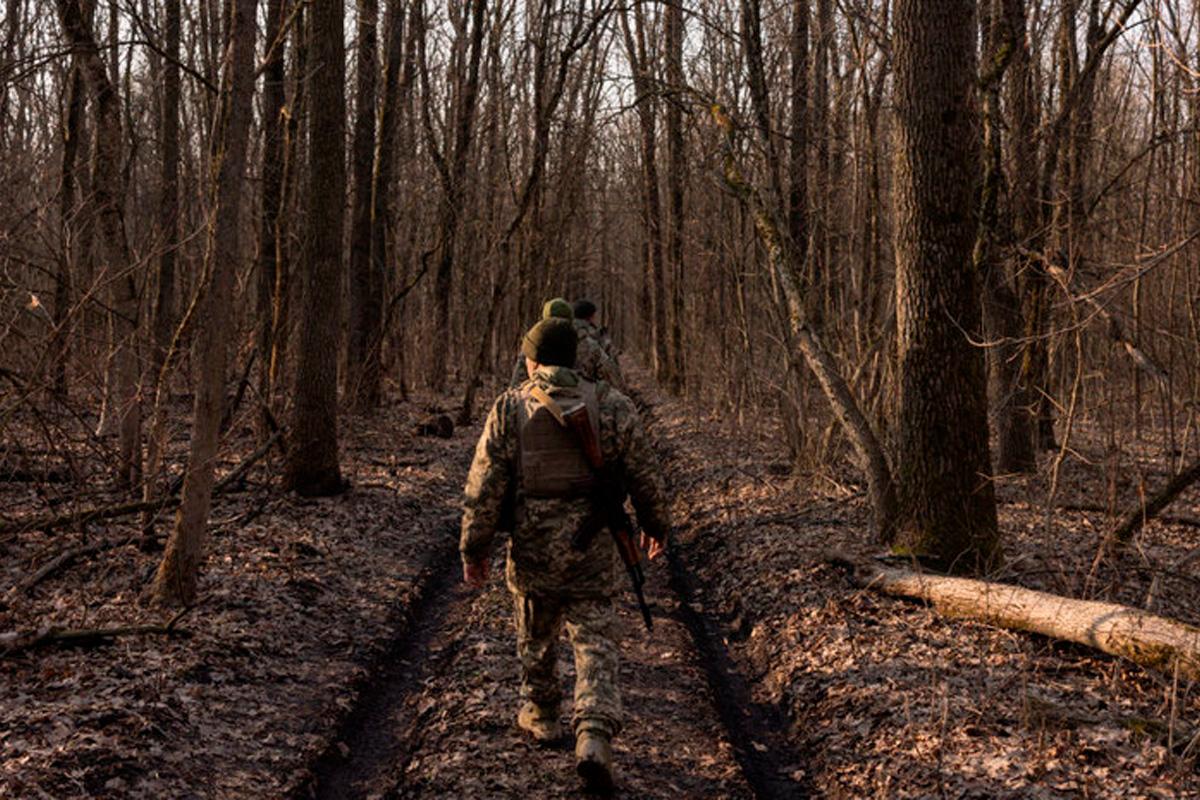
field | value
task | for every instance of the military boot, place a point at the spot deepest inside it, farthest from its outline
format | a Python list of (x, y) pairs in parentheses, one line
[(593, 760), (541, 722)]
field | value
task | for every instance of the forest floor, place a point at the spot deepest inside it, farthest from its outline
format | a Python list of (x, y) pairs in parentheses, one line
[(336, 654)]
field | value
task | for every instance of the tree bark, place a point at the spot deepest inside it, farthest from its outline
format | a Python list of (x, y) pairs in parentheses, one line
[(272, 249), (312, 465), (176, 580), (453, 173), (168, 211), (675, 177), (1015, 397), (366, 288), (947, 508), (383, 169), (68, 207), (654, 296), (798, 153), (108, 197)]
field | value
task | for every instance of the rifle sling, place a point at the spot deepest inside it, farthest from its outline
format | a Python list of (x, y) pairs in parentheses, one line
[(551, 405)]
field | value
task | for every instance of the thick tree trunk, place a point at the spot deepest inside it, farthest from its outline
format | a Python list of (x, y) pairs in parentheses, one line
[(312, 465), (947, 508), (1155, 642), (108, 197), (366, 288), (175, 582)]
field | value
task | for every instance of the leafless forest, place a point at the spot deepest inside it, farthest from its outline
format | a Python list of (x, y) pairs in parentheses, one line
[(907, 291)]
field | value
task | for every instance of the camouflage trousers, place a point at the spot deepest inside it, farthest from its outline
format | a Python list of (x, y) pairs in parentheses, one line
[(591, 625)]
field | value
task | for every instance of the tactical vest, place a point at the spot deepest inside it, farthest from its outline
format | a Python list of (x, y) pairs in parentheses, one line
[(550, 460)]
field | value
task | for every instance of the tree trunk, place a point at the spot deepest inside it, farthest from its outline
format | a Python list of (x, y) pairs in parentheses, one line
[(787, 270), (68, 202), (798, 154), (168, 210), (675, 177), (454, 174), (654, 301), (108, 197), (1015, 396), (175, 582), (1155, 642), (312, 464), (272, 249), (381, 181), (947, 508), (819, 266), (366, 289)]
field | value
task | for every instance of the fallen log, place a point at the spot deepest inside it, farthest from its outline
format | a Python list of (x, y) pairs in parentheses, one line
[(49, 521), (1146, 639)]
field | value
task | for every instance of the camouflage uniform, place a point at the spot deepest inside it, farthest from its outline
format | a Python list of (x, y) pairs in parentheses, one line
[(551, 581), (594, 360)]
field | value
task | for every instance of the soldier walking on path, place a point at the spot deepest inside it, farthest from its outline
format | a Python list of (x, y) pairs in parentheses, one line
[(529, 458), (595, 359)]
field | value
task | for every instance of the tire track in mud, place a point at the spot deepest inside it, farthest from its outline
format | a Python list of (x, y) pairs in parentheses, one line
[(437, 715), (764, 746)]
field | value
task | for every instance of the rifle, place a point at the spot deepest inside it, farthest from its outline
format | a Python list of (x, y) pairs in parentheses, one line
[(610, 508)]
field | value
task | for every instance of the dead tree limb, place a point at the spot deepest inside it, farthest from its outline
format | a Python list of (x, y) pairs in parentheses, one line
[(15, 642), (48, 521), (63, 559), (1146, 639), (1137, 518)]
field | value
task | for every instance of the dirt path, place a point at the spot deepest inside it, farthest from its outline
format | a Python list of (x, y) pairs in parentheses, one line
[(439, 718)]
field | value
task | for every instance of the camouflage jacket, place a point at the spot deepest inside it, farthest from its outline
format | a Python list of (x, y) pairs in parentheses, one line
[(541, 559), (593, 360)]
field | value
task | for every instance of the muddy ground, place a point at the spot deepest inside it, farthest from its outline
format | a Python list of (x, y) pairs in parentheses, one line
[(336, 654)]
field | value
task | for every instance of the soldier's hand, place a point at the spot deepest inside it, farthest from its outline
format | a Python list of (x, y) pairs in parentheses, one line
[(475, 573), (653, 547)]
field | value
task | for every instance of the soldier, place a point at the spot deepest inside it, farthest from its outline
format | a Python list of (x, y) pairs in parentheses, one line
[(525, 453), (595, 359), (558, 307)]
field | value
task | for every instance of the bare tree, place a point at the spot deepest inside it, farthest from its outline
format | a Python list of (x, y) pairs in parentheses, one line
[(175, 582), (108, 197), (366, 284), (312, 464), (947, 508)]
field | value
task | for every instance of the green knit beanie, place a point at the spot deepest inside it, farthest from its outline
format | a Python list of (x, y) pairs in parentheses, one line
[(551, 342), (558, 307)]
